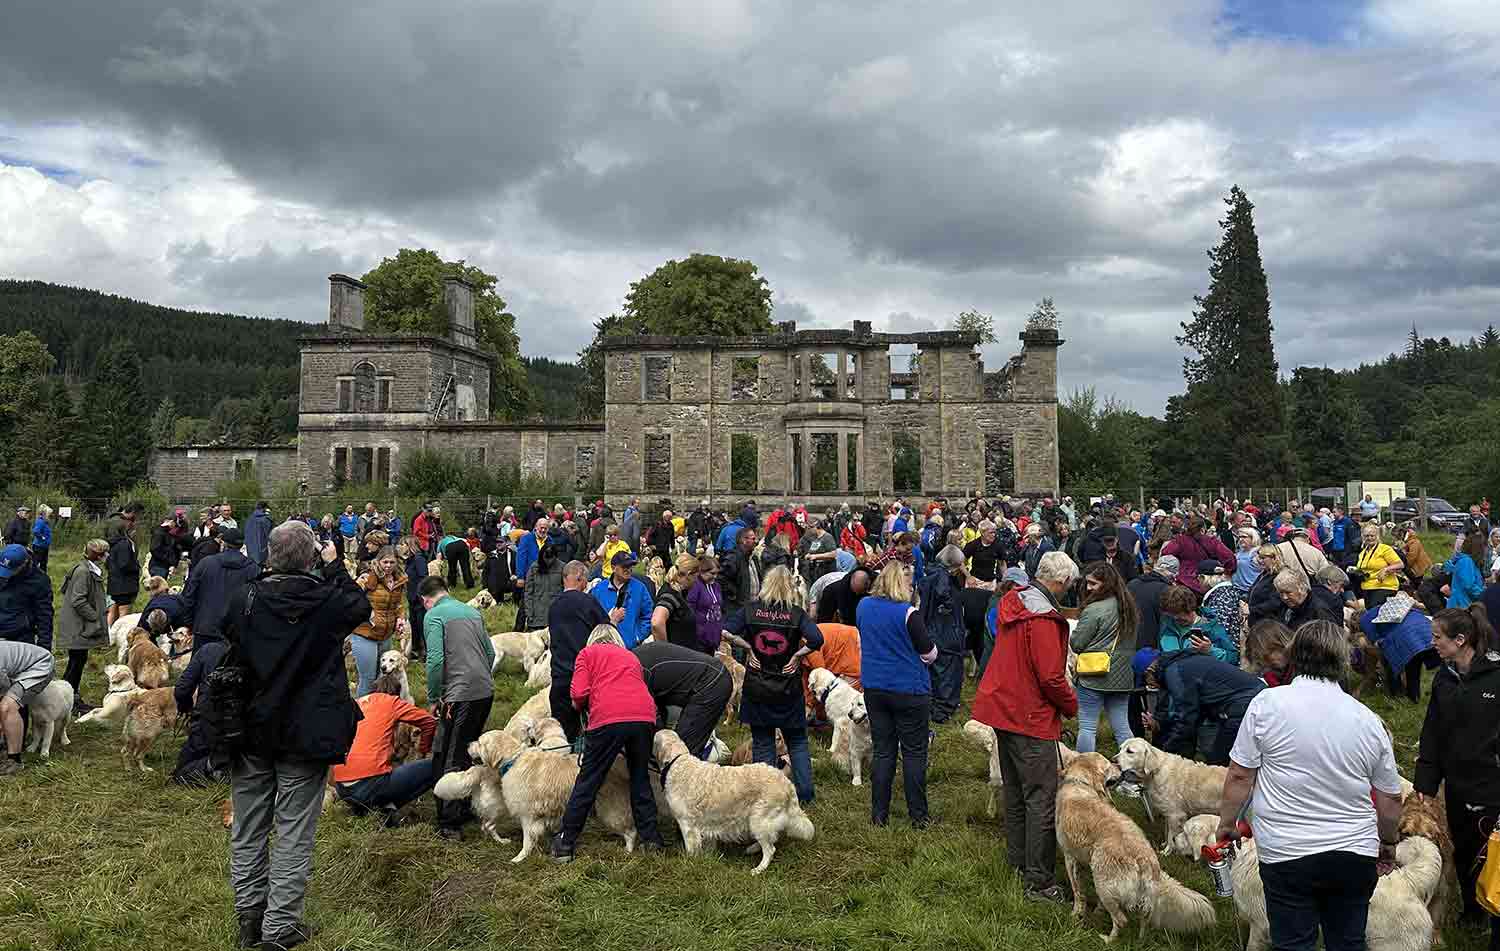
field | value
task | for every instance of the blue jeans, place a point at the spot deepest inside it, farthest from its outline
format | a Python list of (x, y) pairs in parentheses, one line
[(367, 660), (396, 788), (763, 748), (1090, 702)]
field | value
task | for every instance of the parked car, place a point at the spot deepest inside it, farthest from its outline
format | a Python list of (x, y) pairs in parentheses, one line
[(1440, 515)]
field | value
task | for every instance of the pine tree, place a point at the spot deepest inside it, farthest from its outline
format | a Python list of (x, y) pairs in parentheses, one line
[(164, 422), (48, 431), (1491, 339), (263, 421), (1232, 385), (116, 427)]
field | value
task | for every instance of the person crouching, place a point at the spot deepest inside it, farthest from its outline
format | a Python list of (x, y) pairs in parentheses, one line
[(610, 689)]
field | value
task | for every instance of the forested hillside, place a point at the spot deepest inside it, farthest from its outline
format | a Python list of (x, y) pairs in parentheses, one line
[(554, 387)]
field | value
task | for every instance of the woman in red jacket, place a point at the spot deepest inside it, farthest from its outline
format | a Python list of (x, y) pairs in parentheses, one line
[(1024, 695), (610, 690)]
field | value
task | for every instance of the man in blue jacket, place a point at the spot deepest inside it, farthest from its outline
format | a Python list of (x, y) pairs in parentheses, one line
[(257, 530), (730, 533), (1197, 689), (527, 550), (41, 537), (214, 581), (625, 599), (25, 599)]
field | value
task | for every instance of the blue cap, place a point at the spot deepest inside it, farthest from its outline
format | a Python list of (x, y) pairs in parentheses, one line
[(1143, 659), (1015, 574), (12, 559)]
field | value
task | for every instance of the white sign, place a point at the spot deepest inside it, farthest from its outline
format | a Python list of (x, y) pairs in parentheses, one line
[(65, 512), (192, 454)]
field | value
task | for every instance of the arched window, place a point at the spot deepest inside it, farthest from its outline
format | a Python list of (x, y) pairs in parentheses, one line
[(364, 387)]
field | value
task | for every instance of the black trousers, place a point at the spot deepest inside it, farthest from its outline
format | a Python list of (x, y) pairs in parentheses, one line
[(1029, 767), (458, 558), (1229, 728), (563, 711), (898, 719), (1410, 677), (696, 722), (1328, 891), (78, 659), (601, 747), (1470, 825), (416, 615), (39, 557), (461, 723)]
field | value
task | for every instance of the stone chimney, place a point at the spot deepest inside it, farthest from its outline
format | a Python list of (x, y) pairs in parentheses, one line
[(458, 299), (346, 304)]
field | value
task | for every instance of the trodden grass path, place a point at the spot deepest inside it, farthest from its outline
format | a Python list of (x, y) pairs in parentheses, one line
[(94, 857)]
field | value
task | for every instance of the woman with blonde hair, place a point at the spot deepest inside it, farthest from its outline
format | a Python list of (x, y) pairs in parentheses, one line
[(776, 634), (1263, 601), (385, 586), (613, 544), (1379, 566), (894, 654), (672, 619)]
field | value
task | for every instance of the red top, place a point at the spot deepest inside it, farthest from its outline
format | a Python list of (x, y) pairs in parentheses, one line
[(1025, 687), (609, 686), (375, 737)]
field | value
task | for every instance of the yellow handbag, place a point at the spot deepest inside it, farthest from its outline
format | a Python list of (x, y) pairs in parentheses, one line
[(1096, 663), (1487, 887)]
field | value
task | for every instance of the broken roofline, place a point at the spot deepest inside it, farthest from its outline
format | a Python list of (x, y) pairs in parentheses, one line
[(786, 336)]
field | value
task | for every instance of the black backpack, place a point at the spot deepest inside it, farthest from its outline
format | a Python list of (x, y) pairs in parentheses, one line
[(228, 691)]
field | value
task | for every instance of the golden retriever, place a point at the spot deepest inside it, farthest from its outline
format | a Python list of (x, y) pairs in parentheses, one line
[(711, 803), (147, 713), (1175, 788), (523, 647), (736, 677), (1093, 834), (482, 601), (536, 707), (852, 746), (121, 686), (480, 785), (393, 663), (49, 714), (540, 673), (537, 783), (744, 755), (182, 650), (982, 735), (148, 665), (1427, 817), (119, 634)]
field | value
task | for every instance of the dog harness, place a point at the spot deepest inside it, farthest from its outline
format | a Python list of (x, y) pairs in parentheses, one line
[(668, 765), (507, 764)]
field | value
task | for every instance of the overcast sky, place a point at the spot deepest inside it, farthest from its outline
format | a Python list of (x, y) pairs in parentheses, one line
[(897, 162)]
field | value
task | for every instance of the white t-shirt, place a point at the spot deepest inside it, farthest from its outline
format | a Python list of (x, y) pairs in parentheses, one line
[(1319, 752)]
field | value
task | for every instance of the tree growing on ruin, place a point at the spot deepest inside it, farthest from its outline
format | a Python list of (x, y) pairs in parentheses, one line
[(1233, 407), (404, 294), (972, 321), (703, 294)]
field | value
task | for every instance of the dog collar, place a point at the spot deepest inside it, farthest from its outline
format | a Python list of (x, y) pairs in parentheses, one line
[(121, 690), (1075, 781), (507, 764), (668, 765), (823, 697)]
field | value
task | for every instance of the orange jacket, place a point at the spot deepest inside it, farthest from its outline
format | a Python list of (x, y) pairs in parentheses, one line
[(375, 737), (840, 654)]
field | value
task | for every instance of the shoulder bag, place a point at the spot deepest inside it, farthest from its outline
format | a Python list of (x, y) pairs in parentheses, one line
[(1096, 663)]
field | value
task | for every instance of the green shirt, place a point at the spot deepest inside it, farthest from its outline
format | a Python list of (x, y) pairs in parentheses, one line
[(460, 654)]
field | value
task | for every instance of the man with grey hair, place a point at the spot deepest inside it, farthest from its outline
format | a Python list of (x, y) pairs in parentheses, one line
[(528, 549), (1025, 695), (286, 628), (942, 611)]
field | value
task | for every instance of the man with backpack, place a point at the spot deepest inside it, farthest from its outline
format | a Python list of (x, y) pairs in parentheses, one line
[(281, 715)]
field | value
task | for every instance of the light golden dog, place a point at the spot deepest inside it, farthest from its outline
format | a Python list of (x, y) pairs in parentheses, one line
[(523, 647), (536, 707), (982, 735), (50, 713), (852, 746), (1093, 834), (536, 784), (147, 713), (482, 601), (1174, 787), (736, 677), (540, 673), (394, 664), (119, 634), (148, 665), (121, 686), (744, 755), (1427, 817), (711, 803), (182, 650)]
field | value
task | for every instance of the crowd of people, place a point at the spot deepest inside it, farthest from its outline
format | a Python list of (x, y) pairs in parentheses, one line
[(1173, 623)]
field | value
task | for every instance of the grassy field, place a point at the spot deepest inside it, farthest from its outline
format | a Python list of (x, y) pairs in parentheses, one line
[(92, 856)]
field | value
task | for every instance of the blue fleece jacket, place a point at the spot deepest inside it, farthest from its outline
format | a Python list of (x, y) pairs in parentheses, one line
[(1178, 637), (1467, 583), (41, 534), (635, 627)]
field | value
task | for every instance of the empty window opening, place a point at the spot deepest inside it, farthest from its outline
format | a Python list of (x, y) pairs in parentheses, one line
[(999, 464), (364, 465), (825, 462), (383, 467), (658, 462), (744, 462), (823, 370), (657, 378), (906, 461), (744, 381), (851, 461)]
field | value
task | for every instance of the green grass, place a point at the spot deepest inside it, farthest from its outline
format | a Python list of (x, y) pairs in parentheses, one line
[(92, 856)]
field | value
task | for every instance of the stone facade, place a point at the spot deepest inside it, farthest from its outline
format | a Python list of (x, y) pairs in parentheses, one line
[(823, 408), (826, 414)]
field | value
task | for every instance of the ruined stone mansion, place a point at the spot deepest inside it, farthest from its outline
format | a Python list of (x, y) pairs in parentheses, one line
[(810, 416)]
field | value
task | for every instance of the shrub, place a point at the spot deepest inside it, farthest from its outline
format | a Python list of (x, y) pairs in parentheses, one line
[(243, 492)]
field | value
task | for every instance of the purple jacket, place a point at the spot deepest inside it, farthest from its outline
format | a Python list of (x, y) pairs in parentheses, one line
[(708, 607)]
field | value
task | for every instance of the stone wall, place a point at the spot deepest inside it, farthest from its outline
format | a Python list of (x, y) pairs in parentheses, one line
[(193, 473)]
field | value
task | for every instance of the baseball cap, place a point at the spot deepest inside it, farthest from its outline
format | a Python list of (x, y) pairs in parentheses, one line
[(13, 558), (1209, 566), (1016, 575), (1159, 513), (1169, 565), (1142, 659), (232, 537), (622, 559)]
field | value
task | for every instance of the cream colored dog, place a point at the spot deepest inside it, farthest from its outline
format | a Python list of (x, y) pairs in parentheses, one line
[(181, 653), (728, 803), (1174, 787), (736, 677), (480, 785), (394, 663), (538, 706), (537, 783), (49, 714), (523, 647), (851, 747), (540, 674), (1093, 834), (121, 686), (982, 735), (148, 664), (119, 635), (436, 568), (482, 601)]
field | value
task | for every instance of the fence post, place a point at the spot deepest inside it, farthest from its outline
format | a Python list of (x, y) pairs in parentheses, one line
[(1422, 509), (1141, 494)]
